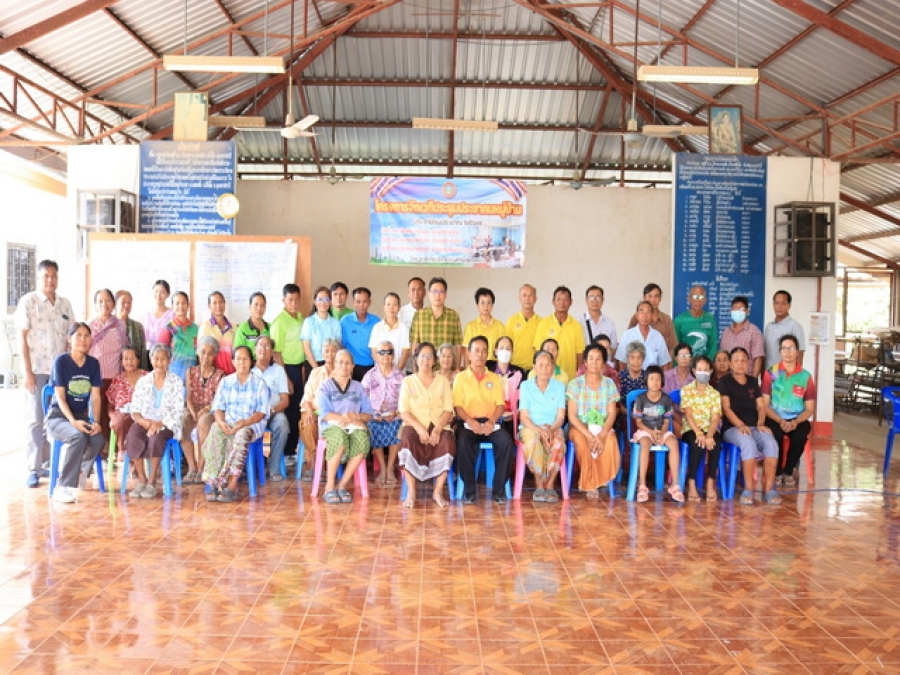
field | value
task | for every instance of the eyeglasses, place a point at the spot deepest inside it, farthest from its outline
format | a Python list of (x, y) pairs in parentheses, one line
[(788, 348), (323, 299), (438, 291), (683, 355), (595, 297), (385, 352), (698, 297)]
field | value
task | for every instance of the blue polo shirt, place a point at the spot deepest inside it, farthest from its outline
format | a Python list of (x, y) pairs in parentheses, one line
[(355, 336)]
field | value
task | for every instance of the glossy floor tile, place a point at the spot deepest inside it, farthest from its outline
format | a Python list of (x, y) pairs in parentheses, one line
[(283, 584)]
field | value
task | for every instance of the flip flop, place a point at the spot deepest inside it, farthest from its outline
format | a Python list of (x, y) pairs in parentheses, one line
[(345, 496), (773, 498), (747, 498), (643, 494), (331, 497), (676, 494)]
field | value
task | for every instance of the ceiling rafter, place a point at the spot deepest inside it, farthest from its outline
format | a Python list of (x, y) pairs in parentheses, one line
[(454, 54), (53, 23), (231, 20), (598, 124), (878, 213)]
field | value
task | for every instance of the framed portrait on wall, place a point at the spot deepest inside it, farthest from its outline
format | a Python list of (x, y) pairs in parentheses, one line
[(725, 130)]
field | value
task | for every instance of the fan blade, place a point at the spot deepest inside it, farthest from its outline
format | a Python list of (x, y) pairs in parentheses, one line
[(306, 122)]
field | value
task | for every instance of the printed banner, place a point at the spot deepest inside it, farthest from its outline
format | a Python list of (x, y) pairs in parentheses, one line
[(450, 223)]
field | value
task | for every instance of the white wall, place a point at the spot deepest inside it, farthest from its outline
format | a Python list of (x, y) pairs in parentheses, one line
[(617, 238)]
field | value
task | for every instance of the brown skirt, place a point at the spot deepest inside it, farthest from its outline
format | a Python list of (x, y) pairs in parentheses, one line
[(424, 461)]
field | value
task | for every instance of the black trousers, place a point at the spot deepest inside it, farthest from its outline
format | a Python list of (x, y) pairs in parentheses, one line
[(696, 453), (295, 374), (467, 448), (360, 371), (798, 438)]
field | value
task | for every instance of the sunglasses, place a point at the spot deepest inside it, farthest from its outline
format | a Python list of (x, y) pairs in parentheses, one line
[(385, 352), (698, 297)]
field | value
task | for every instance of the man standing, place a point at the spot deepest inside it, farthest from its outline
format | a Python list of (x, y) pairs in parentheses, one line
[(742, 333), (285, 332), (697, 327), (659, 320), (42, 320), (356, 329), (415, 292), (784, 324), (593, 321), (563, 328), (478, 402), (276, 380), (522, 326), (339, 307), (437, 324), (653, 341)]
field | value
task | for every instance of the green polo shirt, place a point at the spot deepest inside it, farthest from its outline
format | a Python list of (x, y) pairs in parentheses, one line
[(285, 330)]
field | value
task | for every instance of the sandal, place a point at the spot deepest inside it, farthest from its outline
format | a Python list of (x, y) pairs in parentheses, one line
[(789, 481), (212, 495), (676, 494), (643, 494), (345, 496), (306, 476), (747, 498), (773, 498), (550, 496), (592, 495), (539, 495), (226, 496), (331, 497)]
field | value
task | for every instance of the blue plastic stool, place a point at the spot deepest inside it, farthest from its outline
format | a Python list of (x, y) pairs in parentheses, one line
[(450, 491), (170, 461), (486, 455), (891, 396), (56, 449)]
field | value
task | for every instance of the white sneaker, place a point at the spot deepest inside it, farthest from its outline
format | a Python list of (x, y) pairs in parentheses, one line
[(63, 495), (136, 492), (148, 491)]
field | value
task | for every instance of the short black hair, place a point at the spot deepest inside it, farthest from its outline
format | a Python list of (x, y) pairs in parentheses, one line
[(741, 299), (649, 288), (339, 284), (654, 370), (785, 338), (288, 289), (47, 264), (485, 291), (594, 288), (437, 280), (562, 289), (479, 338), (785, 294), (361, 289)]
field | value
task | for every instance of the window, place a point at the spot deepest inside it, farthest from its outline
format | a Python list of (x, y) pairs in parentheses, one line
[(863, 302), (20, 273)]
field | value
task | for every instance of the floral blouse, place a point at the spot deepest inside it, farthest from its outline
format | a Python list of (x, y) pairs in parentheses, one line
[(120, 392), (203, 393), (384, 392), (171, 407)]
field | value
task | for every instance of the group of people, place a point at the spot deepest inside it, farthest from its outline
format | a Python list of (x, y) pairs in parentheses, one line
[(416, 386)]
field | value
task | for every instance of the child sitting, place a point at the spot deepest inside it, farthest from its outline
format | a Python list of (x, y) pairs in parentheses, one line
[(652, 415)]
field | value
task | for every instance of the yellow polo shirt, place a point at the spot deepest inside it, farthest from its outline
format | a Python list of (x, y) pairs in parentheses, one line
[(478, 397), (493, 333), (569, 335), (522, 332)]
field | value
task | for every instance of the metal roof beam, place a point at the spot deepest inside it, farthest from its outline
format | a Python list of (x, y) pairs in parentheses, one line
[(416, 35), (55, 22), (230, 18), (459, 84), (873, 256), (454, 53), (842, 30), (598, 124), (871, 210)]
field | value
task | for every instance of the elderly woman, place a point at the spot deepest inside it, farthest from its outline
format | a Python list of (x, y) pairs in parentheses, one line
[(542, 413), (318, 328), (745, 426), (220, 329), (702, 408), (309, 404), (202, 383), (681, 374), (633, 376), (134, 329), (240, 407), (551, 346), (119, 395), (181, 335), (255, 327), (76, 382), (382, 385), (447, 361), (721, 367), (591, 402), (108, 337), (157, 318), (426, 408), (345, 411), (156, 408)]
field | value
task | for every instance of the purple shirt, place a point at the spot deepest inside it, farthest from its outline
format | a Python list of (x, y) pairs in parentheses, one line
[(333, 400), (383, 392)]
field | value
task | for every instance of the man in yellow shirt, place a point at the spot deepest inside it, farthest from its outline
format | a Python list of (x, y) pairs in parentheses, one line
[(521, 328), (485, 324), (564, 329), (478, 403)]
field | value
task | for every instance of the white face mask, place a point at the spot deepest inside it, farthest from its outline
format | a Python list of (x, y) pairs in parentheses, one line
[(702, 377), (504, 356), (738, 315)]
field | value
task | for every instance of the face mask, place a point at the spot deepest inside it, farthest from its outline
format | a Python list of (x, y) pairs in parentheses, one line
[(504, 356), (702, 377), (738, 315)]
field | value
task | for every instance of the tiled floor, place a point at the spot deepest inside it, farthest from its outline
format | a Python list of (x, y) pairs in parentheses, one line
[(281, 584)]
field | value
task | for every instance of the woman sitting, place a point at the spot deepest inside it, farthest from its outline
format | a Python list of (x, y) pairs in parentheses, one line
[(76, 382), (156, 409), (119, 395), (721, 367), (202, 384), (345, 411), (551, 346), (220, 329), (447, 361), (240, 407), (702, 409), (542, 413), (591, 406), (382, 385), (427, 444), (679, 376), (309, 404), (510, 375), (745, 426), (181, 335)]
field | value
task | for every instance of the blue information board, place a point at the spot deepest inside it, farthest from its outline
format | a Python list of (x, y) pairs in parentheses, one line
[(720, 232), (180, 183)]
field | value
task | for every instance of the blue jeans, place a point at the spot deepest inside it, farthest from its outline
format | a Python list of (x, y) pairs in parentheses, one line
[(280, 428)]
